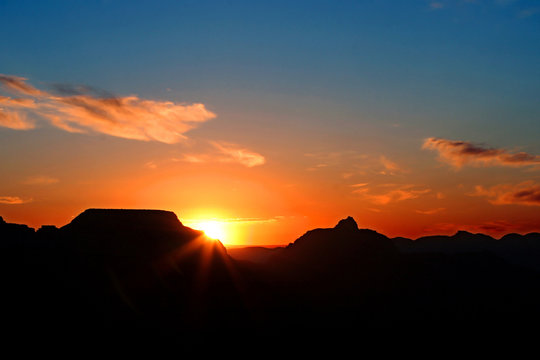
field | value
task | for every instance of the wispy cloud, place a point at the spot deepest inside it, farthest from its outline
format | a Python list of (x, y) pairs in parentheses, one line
[(317, 167), (40, 180), (390, 167), (350, 163), (194, 158), (13, 200), (497, 226), (14, 120), (436, 5), (214, 152), (235, 153), (398, 193), (18, 84), (359, 185), (460, 153), (150, 165), (86, 110), (525, 193), (430, 211)]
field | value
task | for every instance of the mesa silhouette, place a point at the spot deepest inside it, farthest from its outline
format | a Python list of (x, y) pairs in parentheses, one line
[(142, 274)]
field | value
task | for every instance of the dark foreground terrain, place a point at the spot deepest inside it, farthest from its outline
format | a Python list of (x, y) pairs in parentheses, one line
[(140, 275)]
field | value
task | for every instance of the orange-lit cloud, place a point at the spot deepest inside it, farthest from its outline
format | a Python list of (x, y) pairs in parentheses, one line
[(354, 163), (126, 117), (14, 120), (499, 226), (317, 167), (235, 153), (525, 193), (16, 102), (216, 152), (401, 193), (19, 85), (397, 195), (430, 211), (390, 167), (40, 180), (194, 158), (13, 200), (459, 153)]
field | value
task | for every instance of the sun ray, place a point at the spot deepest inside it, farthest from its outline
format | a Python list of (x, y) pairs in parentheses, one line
[(212, 228)]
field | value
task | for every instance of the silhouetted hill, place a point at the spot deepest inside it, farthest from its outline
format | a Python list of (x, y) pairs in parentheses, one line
[(336, 246), (14, 232), (255, 254), (141, 274), (461, 241), (344, 276), (523, 250), (128, 233), (117, 271)]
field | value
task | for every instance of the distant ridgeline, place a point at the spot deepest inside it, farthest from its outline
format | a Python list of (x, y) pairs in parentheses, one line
[(135, 274)]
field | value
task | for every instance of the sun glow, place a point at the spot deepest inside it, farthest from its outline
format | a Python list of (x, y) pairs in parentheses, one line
[(212, 228)]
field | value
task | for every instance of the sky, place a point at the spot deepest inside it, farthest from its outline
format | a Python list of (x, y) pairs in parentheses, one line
[(274, 117)]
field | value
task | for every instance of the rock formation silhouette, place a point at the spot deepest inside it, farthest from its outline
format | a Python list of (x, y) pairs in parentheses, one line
[(141, 274)]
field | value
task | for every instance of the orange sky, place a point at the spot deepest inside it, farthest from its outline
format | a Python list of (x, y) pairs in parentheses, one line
[(269, 203)]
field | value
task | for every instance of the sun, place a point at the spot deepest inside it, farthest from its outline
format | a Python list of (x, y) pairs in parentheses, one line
[(213, 229)]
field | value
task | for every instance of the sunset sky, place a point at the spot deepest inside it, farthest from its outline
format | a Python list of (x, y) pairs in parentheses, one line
[(274, 117)]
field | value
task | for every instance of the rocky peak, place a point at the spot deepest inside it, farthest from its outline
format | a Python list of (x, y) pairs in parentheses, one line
[(347, 224)]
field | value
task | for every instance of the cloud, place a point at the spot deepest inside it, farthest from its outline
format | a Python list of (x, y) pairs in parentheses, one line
[(13, 200), (352, 163), (435, 5), (401, 193), (397, 195), (525, 193), (194, 158), (40, 180), (19, 85), (460, 153), (234, 153), (151, 165), (388, 164), (14, 120), (213, 151), (430, 211), (317, 167), (497, 226), (390, 167), (17, 102), (84, 110)]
